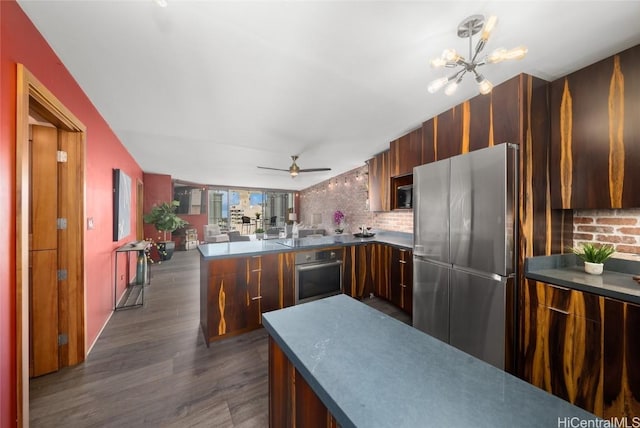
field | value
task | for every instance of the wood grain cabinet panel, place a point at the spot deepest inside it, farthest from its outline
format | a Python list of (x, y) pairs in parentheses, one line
[(561, 343), (405, 153), (357, 278), (381, 260), (401, 279), (621, 360), (235, 292), (379, 182), (595, 143), (292, 402)]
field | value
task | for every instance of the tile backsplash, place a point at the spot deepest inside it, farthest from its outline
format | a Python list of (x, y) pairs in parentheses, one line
[(348, 193)]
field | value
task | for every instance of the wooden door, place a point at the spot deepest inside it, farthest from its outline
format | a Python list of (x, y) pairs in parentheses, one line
[(43, 252)]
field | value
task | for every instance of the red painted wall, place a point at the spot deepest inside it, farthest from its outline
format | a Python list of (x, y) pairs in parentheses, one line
[(158, 188), (20, 42)]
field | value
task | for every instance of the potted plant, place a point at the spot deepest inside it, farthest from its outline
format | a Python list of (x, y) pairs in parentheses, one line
[(164, 218), (594, 256)]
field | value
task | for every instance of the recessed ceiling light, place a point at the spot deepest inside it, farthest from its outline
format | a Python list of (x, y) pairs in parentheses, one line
[(161, 3)]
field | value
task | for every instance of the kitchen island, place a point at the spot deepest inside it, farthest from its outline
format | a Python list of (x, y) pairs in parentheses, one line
[(338, 360), (241, 280)]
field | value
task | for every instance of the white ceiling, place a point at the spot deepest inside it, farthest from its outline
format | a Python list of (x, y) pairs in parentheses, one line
[(207, 90)]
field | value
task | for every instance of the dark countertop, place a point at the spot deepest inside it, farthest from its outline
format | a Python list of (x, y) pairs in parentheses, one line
[(567, 270), (257, 247), (371, 370)]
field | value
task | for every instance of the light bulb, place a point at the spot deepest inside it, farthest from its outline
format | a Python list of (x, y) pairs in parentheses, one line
[(484, 85), (438, 62), (489, 26), (437, 84), (451, 88), (496, 56), (516, 53), (450, 55)]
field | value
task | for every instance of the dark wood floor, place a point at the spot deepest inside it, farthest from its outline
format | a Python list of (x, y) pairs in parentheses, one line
[(150, 366)]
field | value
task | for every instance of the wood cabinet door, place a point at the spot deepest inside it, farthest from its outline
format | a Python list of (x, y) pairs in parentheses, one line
[(405, 153), (379, 182), (226, 297), (381, 264), (401, 279), (621, 360), (563, 343), (595, 146)]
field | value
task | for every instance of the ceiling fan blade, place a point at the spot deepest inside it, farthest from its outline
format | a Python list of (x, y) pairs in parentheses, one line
[(314, 169), (275, 169)]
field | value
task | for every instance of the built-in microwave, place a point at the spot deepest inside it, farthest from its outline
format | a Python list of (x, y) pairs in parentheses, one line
[(404, 196)]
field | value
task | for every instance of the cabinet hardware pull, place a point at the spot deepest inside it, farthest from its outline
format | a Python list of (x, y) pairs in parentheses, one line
[(256, 270), (402, 285), (559, 310), (256, 298), (402, 261)]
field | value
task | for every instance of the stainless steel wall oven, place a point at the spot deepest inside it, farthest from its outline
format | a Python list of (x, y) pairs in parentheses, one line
[(318, 274)]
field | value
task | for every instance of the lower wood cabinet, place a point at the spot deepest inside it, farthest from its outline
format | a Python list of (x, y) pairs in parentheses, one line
[(235, 292), (621, 359), (581, 347), (292, 402), (401, 279), (357, 278), (381, 260)]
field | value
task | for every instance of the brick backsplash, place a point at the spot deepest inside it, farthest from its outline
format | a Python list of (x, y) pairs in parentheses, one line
[(620, 228), (348, 193)]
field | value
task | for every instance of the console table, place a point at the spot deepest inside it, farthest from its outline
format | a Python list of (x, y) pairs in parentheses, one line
[(133, 292)]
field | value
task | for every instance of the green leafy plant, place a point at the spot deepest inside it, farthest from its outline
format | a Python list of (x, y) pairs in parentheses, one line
[(164, 217), (593, 253), (258, 230)]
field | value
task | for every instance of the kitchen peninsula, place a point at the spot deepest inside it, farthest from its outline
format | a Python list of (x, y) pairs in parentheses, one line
[(241, 280), (338, 360)]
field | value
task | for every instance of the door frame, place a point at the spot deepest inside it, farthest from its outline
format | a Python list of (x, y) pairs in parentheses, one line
[(33, 95)]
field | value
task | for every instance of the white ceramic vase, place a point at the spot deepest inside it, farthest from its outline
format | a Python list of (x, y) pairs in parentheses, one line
[(593, 268)]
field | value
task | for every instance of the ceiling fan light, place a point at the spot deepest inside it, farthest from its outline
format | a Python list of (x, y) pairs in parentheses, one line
[(437, 84)]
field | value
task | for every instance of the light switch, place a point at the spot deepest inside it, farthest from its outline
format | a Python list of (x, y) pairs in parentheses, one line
[(90, 224)]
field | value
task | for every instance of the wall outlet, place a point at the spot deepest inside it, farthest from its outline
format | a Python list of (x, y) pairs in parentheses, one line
[(90, 224)]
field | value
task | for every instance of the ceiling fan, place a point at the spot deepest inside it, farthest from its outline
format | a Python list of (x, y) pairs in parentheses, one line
[(294, 169)]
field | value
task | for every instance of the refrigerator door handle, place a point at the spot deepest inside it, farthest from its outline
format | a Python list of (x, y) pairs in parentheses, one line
[(431, 261), (487, 275)]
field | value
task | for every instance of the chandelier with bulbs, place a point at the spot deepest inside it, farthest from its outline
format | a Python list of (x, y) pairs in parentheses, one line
[(451, 59)]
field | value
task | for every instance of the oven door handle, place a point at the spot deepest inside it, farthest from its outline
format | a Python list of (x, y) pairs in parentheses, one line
[(312, 266)]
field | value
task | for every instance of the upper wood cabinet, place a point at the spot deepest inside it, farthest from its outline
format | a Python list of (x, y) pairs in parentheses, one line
[(503, 116), (405, 153), (379, 182), (595, 137)]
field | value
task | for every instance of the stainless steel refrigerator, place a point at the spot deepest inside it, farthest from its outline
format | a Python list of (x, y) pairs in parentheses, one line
[(465, 251)]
